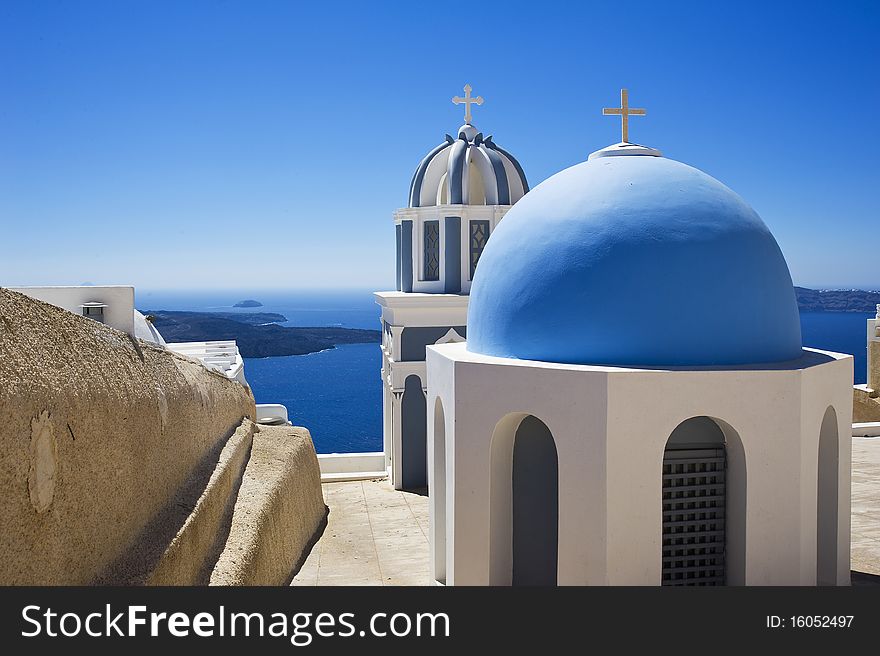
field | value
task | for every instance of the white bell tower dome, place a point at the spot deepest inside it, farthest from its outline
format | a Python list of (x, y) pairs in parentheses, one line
[(459, 192)]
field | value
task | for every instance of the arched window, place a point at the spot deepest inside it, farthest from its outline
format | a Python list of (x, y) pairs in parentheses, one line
[(414, 435), (827, 500), (695, 504), (524, 504), (535, 505)]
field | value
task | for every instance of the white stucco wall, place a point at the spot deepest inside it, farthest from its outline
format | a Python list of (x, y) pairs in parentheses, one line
[(610, 426), (119, 299), (407, 310)]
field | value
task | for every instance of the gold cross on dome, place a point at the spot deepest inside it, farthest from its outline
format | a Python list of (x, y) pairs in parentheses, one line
[(467, 101), (624, 112)]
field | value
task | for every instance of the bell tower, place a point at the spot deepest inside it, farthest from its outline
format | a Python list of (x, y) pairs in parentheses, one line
[(459, 193)]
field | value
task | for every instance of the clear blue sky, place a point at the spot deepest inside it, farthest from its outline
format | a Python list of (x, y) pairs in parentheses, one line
[(265, 144)]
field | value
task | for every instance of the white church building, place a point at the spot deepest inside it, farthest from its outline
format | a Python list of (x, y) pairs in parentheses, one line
[(633, 404), (458, 195)]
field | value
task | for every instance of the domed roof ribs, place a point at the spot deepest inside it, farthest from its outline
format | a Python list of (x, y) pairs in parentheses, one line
[(522, 175), (500, 176), (455, 172), (415, 187)]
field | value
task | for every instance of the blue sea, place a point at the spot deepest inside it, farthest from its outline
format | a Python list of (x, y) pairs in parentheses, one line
[(337, 394)]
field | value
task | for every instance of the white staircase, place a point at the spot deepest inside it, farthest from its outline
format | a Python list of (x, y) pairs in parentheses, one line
[(220, 355)]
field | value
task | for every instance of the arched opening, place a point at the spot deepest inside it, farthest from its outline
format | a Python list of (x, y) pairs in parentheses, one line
[(535, 496), (703, 505), (442, 192), (524, 503), (414, 435), (827, 500), (476, 185), (438, 493)]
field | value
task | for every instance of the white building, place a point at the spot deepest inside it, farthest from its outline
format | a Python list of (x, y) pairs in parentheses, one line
[(633, 405), (113, 305), (459, 193)]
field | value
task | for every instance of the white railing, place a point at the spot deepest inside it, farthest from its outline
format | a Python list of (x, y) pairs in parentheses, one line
[(337, 467)]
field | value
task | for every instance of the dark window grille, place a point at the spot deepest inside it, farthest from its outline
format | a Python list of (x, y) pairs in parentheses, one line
[(479, 236), (432, 250), (96, 313), (694, 518)]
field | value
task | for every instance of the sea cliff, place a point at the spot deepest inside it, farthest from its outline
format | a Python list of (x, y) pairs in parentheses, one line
[(257, 334)]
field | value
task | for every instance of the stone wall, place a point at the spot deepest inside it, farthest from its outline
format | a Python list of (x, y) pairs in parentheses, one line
[(866, 408), (874, 365), (98, 433)]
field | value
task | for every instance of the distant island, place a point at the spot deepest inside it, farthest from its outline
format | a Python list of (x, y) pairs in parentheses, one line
[(836, 300), (248, 303), (257, 334)]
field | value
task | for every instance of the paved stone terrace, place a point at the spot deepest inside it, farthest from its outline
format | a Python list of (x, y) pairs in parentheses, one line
[(378, 536), (866, 507), (375, 535)]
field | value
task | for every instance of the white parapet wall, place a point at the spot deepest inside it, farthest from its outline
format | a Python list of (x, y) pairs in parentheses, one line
[(866, 429), (337, 467)]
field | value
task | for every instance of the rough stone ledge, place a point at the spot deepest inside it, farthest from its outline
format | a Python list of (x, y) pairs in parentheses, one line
[(279, 511), (192, 553), (866, 407)]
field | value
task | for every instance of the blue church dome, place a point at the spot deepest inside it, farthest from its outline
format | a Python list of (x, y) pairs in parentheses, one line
[(633, 260)]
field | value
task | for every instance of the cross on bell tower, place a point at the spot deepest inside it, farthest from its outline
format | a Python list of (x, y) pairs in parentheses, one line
[(467, 101), (624, 111)]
